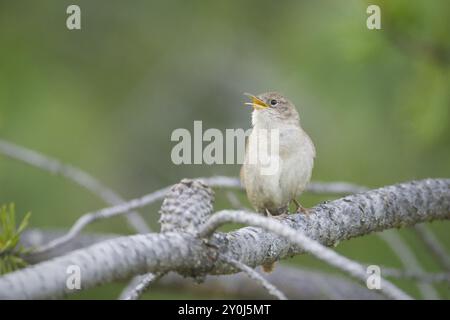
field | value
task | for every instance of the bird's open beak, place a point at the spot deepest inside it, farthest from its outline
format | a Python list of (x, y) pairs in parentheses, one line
[(256, 102)]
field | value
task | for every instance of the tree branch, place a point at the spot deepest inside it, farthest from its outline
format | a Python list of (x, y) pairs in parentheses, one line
[(74, 174), (308, 284), (142, 286), (434, 245), (409, 261), (353, 268), (356, 215), (416, 275), (252, 274), (125, 208), (297, 283)]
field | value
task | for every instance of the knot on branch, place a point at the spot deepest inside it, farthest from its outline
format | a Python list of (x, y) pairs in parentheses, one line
[(186, 206)]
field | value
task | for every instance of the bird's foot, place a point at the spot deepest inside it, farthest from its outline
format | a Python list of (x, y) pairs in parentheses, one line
[(279, 213), (268, 213), (300, 208), (268, 267), (281, 216)]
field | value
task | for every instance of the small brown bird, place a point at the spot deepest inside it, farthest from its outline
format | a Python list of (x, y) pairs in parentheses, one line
[(270, 192), (288, 151)]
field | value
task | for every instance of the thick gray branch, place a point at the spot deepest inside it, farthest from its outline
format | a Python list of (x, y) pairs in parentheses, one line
[(306, 244), (394, 206), (296, 283)]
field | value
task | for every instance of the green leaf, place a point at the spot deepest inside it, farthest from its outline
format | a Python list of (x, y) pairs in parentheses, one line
[(10, 249), (24, 223)]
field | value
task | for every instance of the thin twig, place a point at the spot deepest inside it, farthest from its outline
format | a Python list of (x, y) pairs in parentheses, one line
[(434, 245), (297, 283), (131, 285), (74, 174), (325, 254), (142, 286), (409, 261), (252, 274), (419, 276), (88, 218), (122, 208), (234, 200), (337, 188)]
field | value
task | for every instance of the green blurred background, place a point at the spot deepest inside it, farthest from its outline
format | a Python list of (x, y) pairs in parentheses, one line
[(107, 97)]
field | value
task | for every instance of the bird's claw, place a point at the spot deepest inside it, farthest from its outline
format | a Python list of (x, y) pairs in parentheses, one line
[(300, 208)]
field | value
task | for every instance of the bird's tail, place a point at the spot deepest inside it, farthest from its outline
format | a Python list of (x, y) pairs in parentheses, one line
[(268, 267)]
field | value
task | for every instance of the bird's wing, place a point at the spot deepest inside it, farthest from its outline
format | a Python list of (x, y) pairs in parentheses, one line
[(312, 144), (241, 173)]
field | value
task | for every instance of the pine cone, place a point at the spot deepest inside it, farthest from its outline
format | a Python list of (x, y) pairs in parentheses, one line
[(186, 206)]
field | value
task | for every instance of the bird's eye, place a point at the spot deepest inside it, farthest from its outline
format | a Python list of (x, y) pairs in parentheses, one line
[(273, 102)]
